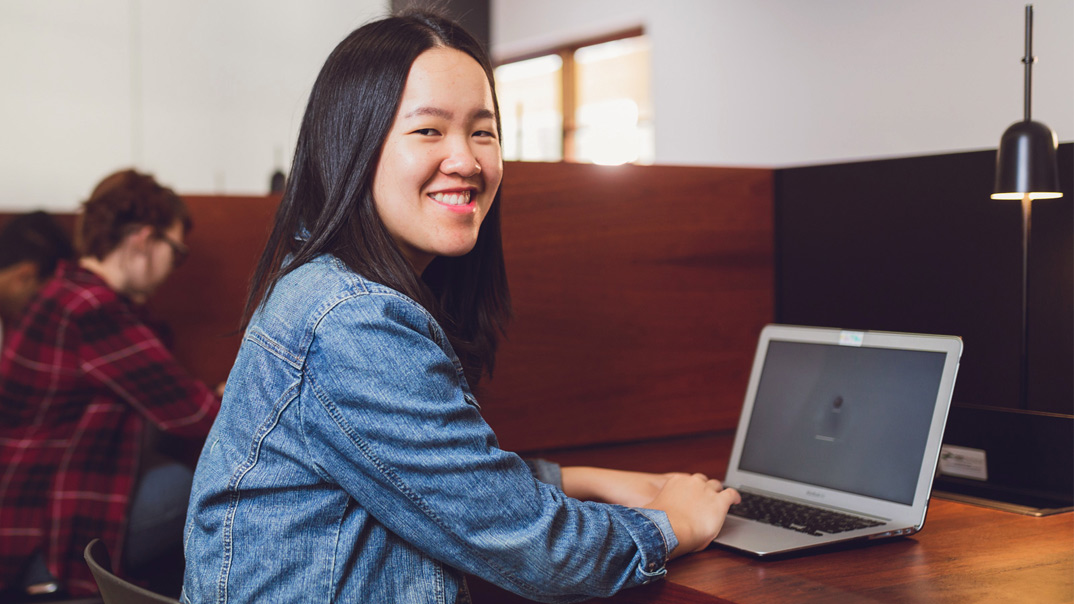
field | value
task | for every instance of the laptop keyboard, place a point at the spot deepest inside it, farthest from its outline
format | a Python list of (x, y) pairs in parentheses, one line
[(796, 516)]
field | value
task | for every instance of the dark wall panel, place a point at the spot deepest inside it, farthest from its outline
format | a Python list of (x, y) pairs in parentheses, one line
[(916, 244)]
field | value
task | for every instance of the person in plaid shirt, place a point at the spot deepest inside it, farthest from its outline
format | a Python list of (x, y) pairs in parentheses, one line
[(83, 381)]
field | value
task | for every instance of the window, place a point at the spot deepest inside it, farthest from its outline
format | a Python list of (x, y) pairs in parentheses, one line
[(531, 102), (583, 103)]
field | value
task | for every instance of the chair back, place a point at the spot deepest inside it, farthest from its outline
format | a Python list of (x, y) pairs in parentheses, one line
[(113, 589)]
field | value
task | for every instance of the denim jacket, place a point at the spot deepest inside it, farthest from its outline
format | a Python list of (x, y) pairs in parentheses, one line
[(350, 463)]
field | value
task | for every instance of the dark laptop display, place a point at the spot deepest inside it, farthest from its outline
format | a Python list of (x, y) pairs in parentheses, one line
[(851, 419)]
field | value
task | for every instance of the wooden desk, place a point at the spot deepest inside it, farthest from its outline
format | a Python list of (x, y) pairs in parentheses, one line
[(964, 553)]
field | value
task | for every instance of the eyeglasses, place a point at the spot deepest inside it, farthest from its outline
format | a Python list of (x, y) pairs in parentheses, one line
[(179, 250)]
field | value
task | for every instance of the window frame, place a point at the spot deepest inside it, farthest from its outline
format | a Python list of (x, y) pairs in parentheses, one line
[(568, 87)]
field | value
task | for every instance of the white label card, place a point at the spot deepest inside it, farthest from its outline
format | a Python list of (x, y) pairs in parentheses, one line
[(963, 462)]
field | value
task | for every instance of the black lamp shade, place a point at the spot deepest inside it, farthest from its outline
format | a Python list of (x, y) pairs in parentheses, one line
[(1026, 162)]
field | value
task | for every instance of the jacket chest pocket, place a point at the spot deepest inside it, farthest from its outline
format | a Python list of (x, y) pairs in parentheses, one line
[(471, 400)]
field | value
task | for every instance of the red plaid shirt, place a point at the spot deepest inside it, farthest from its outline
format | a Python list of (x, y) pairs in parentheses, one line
[(79, 378)]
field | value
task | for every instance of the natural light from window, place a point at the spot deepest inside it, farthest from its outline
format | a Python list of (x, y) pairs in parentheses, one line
[(530, 100), (614, 116), (604, 89)]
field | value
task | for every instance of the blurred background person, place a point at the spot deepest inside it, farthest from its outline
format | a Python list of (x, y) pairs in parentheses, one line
[(30, 247), (84, 383)]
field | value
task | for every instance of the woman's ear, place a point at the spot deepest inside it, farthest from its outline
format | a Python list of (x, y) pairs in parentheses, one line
[(139, 239)]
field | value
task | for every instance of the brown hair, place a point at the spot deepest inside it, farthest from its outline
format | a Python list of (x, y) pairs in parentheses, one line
[(123, 200)]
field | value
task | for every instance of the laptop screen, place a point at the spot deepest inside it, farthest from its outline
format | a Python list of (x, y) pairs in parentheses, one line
[(854, 419)]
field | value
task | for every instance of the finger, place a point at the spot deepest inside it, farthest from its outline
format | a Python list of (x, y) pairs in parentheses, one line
[(731, 495), (724, 500)]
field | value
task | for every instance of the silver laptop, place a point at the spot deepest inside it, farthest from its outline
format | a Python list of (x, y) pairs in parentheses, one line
[(842, 429)]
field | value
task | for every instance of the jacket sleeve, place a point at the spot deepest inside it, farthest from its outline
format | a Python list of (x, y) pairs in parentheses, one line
[(120, 354), (426, 465)]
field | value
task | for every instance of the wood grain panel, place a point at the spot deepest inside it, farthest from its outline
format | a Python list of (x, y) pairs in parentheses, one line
[(963, 554), (202, 301), (639, 292)]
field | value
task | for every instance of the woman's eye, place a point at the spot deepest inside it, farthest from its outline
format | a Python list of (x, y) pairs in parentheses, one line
[(427, 131), (484, 133)]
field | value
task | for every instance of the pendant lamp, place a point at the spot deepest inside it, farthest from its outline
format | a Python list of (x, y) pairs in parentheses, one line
[(1027, 169), (1026, 162)]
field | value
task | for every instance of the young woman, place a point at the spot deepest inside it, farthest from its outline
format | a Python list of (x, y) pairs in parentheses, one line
[(350, 461), (82, 381)]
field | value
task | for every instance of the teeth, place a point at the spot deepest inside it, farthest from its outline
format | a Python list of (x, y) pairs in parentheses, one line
[(452, 199)]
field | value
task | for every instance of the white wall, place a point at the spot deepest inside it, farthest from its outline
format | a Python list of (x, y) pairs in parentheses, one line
[(790, 82), (206, 94)]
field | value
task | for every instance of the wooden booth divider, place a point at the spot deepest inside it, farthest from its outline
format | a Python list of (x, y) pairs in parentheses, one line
[(638, 294)]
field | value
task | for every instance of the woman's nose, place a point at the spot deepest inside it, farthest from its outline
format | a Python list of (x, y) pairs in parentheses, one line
[(461, 161)]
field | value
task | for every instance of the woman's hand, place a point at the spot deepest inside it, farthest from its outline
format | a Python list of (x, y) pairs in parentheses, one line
[(632, 489), (696, 507), (695, 504)]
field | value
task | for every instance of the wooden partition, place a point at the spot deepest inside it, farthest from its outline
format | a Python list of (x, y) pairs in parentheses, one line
[(639, 292), (202, 301)]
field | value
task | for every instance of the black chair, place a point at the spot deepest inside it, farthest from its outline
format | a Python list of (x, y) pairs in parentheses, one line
[(113, 589)]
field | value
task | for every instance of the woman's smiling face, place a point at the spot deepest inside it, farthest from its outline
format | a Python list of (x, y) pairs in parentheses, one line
[(440, 165)]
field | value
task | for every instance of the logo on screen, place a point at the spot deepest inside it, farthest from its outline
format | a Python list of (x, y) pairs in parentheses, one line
[(830, 420)]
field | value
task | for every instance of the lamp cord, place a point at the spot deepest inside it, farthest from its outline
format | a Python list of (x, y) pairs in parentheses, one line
[(1027, 206), (1029, 59)]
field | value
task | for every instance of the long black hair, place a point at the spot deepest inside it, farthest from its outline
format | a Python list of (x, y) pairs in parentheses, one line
[(329, 192)]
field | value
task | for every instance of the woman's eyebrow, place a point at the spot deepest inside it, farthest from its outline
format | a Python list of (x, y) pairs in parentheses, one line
[(431, 112), (447, 115)]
